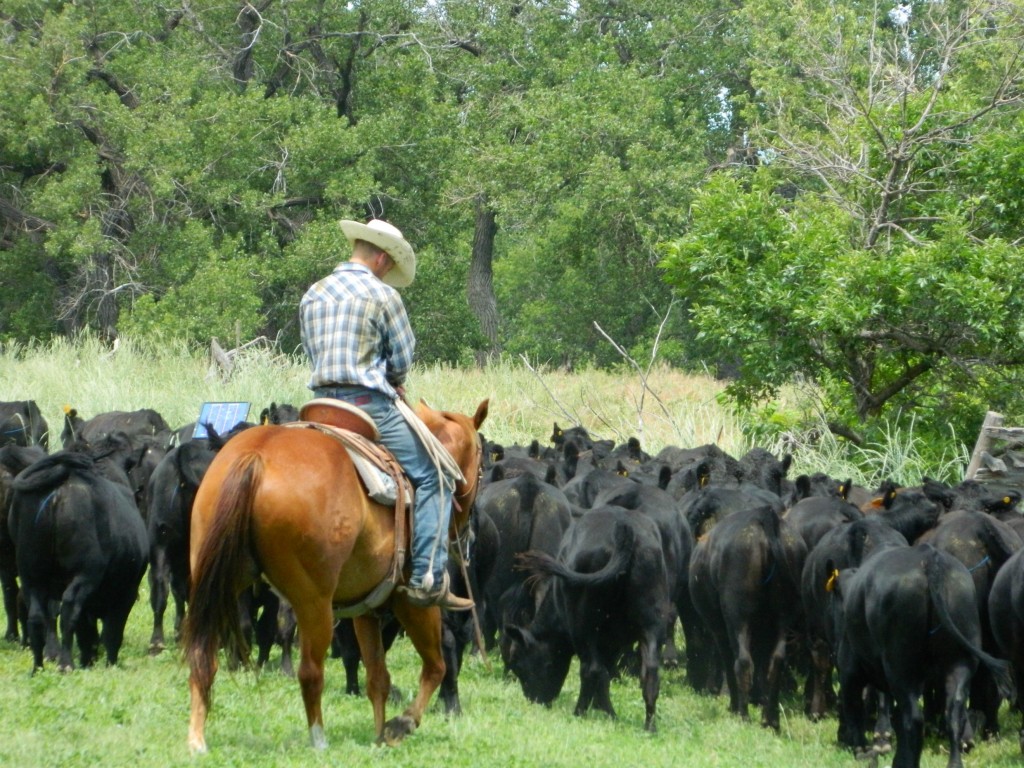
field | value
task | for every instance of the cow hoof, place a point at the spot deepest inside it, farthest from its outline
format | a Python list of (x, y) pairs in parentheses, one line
[(155, 649), (866, 755), (396, 729), (394, 695)]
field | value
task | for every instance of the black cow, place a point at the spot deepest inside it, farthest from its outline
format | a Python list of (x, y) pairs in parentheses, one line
[(814, 516), (459, 627), (144, 422), (983, 544), (677, 546), (844, 546), (169, 496), (1006, 620), (13, 459), (80, 541), (528, 514), (907, 621), (744, 583), (21, 423), (606, 591)]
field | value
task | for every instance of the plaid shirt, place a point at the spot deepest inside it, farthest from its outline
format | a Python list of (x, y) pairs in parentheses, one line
[(356, 331)]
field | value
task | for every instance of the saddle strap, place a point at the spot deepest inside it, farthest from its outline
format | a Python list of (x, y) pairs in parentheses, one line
[(381, 458)]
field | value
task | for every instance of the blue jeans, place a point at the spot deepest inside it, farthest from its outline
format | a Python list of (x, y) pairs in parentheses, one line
[(432, 505)]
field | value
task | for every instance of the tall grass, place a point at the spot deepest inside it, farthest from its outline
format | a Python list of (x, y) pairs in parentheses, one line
[(667, 408), (136, 714)]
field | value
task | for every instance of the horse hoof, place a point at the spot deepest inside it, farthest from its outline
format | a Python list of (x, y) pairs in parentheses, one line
[(396, 729)]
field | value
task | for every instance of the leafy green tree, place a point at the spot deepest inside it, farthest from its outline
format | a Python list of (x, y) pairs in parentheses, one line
[(854, 254)]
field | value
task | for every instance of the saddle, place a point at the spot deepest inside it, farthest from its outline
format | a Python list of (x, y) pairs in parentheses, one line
[(358, 434)]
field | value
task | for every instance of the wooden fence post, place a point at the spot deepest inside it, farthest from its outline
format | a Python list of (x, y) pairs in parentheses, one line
[(992, 419)]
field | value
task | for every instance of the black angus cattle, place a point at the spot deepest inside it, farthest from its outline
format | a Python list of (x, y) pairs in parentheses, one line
[(279, 414), (677, 546), (606, 591), (458, 627), (906, 621), (528, 514), (169, 496), (816, 484), (1006, 620), (983, 544), (844, 546), (141, 423), (79, 541), (760, 467), (744, 583), (814, 516), (13, 459), (583, 439), (706, 506), (21, 423)]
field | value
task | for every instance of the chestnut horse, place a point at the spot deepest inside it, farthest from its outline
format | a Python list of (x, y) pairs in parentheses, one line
[(288, 503)]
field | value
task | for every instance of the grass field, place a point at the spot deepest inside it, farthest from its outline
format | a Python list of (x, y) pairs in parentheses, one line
[(136, 713)]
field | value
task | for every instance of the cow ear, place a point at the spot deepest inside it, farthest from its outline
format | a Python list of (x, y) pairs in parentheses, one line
[(664, 476), (517, 634)]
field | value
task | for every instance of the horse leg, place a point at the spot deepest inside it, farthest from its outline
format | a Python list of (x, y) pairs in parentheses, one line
[(378, 679), (423, 626), (315, 622)]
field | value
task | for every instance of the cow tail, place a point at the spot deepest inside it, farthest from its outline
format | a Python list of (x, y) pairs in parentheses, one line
[(997, 548), (541, 565), (771, 523), (222, 566), (1000, 669)]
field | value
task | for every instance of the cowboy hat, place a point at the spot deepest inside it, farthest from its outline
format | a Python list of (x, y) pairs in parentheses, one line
[(388, 238)]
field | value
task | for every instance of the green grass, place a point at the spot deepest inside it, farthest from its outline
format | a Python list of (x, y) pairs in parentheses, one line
[(137, 713)]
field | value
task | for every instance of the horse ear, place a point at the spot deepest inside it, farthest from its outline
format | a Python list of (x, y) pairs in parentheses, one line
[(481, 413)]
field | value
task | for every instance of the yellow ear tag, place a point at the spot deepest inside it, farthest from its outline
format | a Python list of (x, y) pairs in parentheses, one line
[(1007, 500), (831, 583)]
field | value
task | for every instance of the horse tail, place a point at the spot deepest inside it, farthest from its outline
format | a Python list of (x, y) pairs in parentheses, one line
[(223, 566)]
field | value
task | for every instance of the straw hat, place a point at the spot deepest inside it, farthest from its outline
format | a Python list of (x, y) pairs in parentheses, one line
[(388, 238)]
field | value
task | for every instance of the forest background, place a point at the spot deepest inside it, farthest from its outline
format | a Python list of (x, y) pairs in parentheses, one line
[(781, 192)]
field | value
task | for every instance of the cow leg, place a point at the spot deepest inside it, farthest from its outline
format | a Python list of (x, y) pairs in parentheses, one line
[(72, 608), (452, 666), (346, 647), (266, 624), (378, 679), (286, 627), (909, 729), (316, 624), (743, 672), (37, 625), (670, 653), (650, 680), (88, 641), (423, 626), (595, 685), (773, 680), (819, 680), (157, 597), (9, 584), (852, 717), (179, 591), (957, 682)]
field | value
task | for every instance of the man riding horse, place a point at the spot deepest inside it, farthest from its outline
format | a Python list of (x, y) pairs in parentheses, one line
[(357, 334)]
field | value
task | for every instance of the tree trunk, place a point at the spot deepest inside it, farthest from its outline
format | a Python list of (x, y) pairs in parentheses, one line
[(480, 287)]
